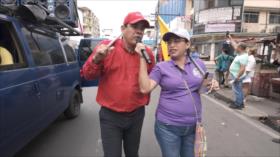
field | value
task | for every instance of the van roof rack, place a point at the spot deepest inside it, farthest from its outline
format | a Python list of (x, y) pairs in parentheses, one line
[(36, 13)]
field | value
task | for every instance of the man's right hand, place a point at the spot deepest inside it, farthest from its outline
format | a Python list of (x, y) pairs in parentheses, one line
[(101, 52)]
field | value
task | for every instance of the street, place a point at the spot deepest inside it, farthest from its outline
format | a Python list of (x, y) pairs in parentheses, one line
[(50, 50), (229, 133)]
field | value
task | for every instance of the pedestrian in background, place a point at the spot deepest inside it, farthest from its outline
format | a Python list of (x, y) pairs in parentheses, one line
[(222, 62), (122, 104), (194, 52), (237, 71), (179, 105), (250, 71), (159, 55)]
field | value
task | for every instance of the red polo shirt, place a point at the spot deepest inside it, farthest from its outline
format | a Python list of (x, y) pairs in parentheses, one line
[(118, 87)]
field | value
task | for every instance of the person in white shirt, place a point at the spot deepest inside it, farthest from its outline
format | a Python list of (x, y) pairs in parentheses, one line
[(250, 71)]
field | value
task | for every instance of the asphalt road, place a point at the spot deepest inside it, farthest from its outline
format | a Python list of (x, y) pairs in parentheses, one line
[(229, 133)]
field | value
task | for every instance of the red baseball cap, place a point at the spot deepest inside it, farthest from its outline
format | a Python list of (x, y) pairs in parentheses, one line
[(134, 17)]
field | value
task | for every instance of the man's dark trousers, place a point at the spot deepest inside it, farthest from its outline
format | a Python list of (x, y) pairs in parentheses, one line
[(121, 128)]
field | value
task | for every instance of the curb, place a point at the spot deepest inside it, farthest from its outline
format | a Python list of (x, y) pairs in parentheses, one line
[(273, 122), (268, 120), (222, 97)]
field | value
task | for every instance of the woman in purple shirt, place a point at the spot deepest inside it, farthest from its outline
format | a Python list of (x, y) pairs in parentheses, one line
[(178, 109)]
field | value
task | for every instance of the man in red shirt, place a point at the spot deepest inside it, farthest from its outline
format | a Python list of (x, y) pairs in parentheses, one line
[(122, 104)]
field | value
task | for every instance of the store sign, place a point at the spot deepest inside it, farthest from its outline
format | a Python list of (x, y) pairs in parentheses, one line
[(219, 27)]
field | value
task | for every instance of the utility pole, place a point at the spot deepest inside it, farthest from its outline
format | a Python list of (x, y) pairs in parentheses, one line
[(156, 22)]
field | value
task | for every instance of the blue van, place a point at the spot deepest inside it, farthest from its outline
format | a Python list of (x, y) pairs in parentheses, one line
[(39, 79)]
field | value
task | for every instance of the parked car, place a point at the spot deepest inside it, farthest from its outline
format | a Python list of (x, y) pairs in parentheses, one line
[(39, 82)]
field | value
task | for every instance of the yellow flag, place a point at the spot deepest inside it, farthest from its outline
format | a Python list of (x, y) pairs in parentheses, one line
[(163, 29)]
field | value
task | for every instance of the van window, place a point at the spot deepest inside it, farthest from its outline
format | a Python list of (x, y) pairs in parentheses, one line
[(53, 48), (40, 57), (11, 56), (44, 54), (70, 54)]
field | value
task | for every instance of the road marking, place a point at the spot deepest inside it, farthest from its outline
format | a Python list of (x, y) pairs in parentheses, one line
[(271, 133)]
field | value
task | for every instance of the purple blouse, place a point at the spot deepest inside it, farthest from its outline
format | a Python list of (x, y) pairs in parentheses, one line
[(175, 103)]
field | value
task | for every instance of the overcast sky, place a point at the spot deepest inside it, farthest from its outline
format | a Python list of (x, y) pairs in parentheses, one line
[(112, 12)]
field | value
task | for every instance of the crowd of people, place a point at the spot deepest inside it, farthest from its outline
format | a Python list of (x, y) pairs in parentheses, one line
[(239, 68)]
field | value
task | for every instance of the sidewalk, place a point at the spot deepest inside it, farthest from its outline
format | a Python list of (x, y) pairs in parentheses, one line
[(264, 109)]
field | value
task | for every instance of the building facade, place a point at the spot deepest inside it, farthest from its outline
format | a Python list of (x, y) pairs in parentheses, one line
[(211, 19), (261, 17), (171, 9), (90, 25), (173, 13), (243, 18)]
